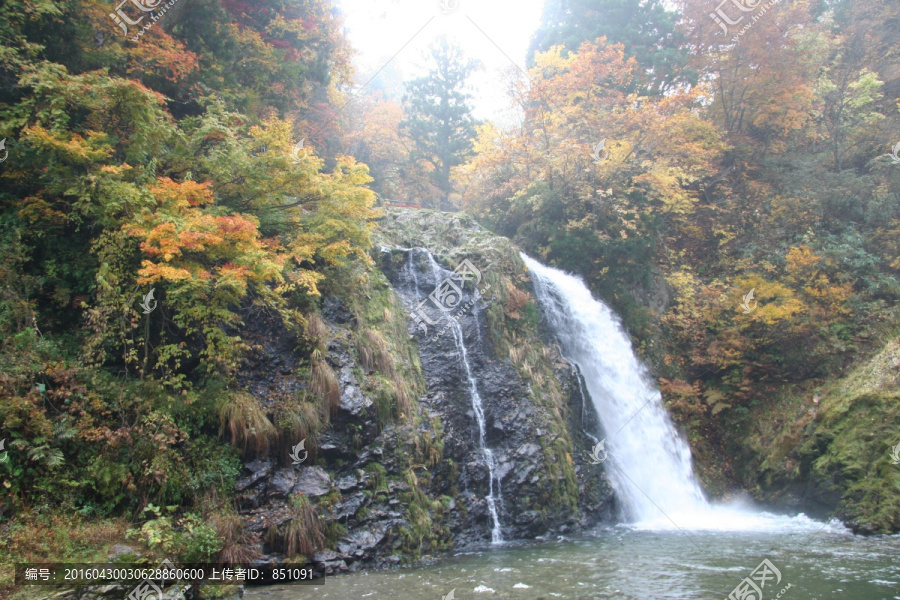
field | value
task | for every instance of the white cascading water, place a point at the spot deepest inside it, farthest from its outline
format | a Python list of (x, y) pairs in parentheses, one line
[(648, 462), (439, 274), (651, 464)]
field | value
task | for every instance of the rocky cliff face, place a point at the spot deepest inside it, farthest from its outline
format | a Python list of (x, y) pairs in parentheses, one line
[(411, 462)]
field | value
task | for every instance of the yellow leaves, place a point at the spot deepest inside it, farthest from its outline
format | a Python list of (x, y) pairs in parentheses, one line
[(805, 269), (335, 252), (774, 302), (802, 264), (178, 196), (35, 210), (684, 283), (617, 150), (276, 134), (73, 148), (154, 273), (552, 62), (306, 280), (666, 185)]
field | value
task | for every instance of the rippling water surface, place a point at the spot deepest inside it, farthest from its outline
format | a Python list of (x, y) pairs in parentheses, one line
[(642, 562)]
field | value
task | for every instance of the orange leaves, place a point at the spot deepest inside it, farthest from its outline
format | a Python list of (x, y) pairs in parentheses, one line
[(183, 243), (36, 210), (153, 273), (196, 241), (161, 55)]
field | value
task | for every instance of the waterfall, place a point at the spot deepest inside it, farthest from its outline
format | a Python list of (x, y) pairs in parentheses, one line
[(494, 497), (583, 395), (648, 462)]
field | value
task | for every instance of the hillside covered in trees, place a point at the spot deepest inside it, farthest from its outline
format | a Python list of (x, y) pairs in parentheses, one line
[(198, 271)]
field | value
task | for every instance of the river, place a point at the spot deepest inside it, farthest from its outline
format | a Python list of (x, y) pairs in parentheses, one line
[(625, 562)]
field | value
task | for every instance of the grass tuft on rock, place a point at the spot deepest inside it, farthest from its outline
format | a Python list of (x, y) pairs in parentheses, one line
[(302, 534), (246, 423)]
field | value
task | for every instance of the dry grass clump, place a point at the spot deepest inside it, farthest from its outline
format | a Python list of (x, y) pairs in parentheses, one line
[(324, 384), (403, 398), (516, 300), (374, 354), (245, 421), (238, 544), (303, 534), (300, 420), (316, 331)]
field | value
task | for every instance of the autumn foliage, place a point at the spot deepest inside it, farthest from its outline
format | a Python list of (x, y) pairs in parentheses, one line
[(163, 164)]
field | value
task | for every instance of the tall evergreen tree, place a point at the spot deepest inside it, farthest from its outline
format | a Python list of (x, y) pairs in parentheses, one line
[(439, 119), (645, 27)]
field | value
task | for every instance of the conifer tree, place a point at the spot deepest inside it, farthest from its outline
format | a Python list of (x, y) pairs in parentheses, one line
[(439, 119)]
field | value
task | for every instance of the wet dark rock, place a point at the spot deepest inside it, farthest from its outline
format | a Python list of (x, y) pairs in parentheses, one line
[(332, 567), (367, 539), (352, 399), (334, 446), (281, 483), (268, 371), (312, 481), (325, 556), (347, 483), (349, 507), (258, 469), (334, 310)]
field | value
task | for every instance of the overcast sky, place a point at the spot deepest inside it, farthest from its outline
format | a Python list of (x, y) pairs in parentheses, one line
[(381, 29)]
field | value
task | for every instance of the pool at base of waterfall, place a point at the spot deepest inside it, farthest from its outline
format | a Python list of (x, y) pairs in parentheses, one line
[(808, 560)]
